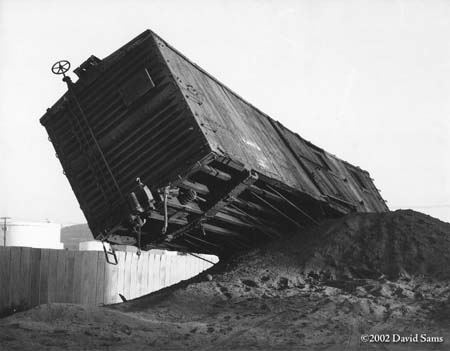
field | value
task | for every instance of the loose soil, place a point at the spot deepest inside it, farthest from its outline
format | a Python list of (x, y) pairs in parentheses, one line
[(319, 289)]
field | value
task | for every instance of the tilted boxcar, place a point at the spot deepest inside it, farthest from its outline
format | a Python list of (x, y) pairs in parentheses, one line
[(161, 154)]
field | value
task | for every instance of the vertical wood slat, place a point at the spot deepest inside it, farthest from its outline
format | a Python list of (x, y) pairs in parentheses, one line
[(121, 274), (181, 262), (111, 282), (52, 275), (5, 260), (131, 260), (194, 265), (84, 276), (91, 277), (176, 268), (183, 268), (69, 277), (127, 280), (173, 269), (77, 291), (25, 275), (199, 265), (162, 271), (155, 268), (169, 270), (202, 265), (189, 263), (14, 277), (35, 275), (152, 269), (32, 276), (61, 260), (100, 281), (144, 272), (133, 275), (159, 273), (124, 282), (43, 279), (140, 277)]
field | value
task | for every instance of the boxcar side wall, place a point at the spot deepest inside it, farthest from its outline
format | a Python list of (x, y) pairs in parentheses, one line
[(337, 180), (222, 174), (140, 122), (239, 130), (233, 128)]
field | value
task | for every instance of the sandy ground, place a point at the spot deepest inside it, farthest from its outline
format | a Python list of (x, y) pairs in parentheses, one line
[(366, 274)]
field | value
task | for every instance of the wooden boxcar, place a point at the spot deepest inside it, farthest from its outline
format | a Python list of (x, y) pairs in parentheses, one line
[(159, 153)]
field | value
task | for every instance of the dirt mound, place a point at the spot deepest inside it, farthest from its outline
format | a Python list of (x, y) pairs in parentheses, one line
[(401, 246), (392, 244), (327, 285), (317, 289), (61, 326), (359, 246)]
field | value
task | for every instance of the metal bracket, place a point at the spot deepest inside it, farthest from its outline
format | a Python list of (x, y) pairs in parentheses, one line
[(217, 206), (109, 253)]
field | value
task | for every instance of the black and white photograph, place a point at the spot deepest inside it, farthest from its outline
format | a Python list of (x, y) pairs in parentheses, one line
[(224, 175)]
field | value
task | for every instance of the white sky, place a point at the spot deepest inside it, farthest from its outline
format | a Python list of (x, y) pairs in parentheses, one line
[(367, 81)]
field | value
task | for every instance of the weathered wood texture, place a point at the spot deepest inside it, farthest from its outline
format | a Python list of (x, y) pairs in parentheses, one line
[(244, 133), (147, 111), (29, 277)]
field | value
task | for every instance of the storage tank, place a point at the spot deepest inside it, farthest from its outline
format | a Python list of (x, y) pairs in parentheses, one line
[(31, 234), (91, 245), (160, 154)]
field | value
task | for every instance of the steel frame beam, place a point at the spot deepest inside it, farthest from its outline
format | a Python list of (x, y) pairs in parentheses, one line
[(228, 197)]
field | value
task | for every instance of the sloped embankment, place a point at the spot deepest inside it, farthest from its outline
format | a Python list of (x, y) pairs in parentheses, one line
[(322, 288)]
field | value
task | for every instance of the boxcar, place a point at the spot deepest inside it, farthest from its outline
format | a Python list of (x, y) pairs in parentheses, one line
[(159, 153)]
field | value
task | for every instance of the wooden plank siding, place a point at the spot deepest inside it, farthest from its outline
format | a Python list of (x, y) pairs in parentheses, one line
[(43, 280), (233, 126), (29, 277), (35, 276), (4, 277), (77, 273), (155, 114), (14, 278)]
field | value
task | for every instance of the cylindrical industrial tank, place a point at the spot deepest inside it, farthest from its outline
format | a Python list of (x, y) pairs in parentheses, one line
[(92, 245), (31, 234)]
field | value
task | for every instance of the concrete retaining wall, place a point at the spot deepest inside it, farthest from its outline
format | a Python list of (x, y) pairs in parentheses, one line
[(29, 277)]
